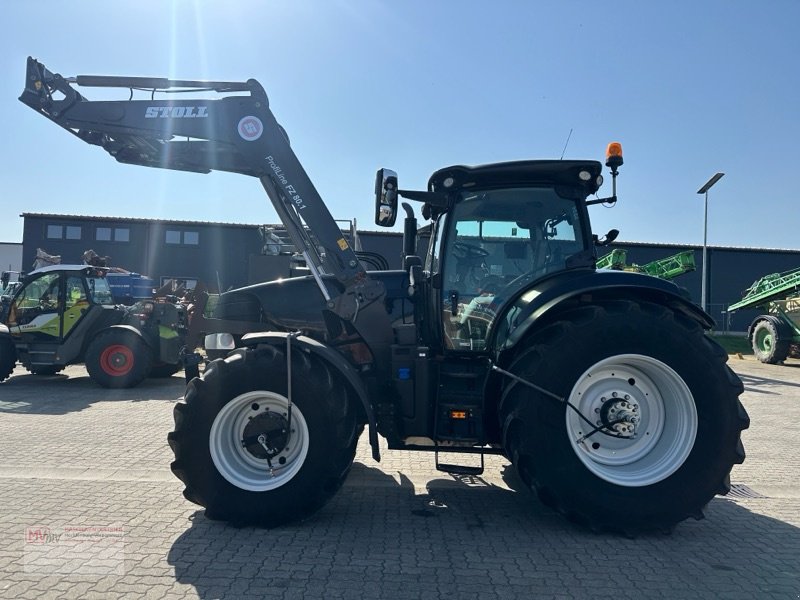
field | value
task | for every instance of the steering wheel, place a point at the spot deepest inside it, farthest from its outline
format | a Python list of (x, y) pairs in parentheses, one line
[(491, 284), (463, 250)]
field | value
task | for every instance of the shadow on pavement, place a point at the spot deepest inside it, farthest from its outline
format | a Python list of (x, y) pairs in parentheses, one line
[(756, 384), (469, 539), (61, 394)]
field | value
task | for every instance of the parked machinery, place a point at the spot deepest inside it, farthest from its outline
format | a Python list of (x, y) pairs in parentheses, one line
[(664, 268), (10, 282), (601, 387), (65, 314), (774, 335)]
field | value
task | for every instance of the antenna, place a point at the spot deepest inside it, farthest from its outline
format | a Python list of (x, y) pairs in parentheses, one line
[(566, 144)]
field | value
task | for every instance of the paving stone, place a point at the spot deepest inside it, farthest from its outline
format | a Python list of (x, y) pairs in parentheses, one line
[(75, 454)]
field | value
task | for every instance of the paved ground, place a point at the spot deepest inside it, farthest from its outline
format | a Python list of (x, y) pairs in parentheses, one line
[(92, 466)]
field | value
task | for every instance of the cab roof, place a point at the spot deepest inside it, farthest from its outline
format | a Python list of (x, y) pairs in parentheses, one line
[(68, 268), (522, 172)]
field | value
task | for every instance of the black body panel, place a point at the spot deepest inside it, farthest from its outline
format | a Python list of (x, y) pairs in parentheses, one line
[(296, 304), (531, 305)]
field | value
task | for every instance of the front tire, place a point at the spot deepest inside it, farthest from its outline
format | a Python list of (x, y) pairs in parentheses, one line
[(664, 397), (118, 358), (231, 445)]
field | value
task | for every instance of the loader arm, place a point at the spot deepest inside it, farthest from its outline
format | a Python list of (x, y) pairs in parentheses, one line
[(236, 133)]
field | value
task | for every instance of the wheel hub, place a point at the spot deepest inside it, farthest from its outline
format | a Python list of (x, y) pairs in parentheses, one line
[(266, 434), (117, 360), (251, 443), (620, 415)]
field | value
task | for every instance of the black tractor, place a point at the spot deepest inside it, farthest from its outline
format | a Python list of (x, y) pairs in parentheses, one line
[(601, 387)]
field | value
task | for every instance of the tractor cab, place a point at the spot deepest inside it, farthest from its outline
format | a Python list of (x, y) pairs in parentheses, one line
[(497, 229), (53, 300), (52, 315)]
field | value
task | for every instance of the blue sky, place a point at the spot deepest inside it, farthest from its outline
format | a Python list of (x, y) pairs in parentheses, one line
[(689, 88)]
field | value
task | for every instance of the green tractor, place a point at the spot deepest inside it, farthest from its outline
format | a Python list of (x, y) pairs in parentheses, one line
[(65, 314)]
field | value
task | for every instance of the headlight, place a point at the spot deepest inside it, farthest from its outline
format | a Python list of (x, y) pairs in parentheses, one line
[(219, 341)]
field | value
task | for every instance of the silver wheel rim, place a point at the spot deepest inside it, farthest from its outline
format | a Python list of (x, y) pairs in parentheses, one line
[(236, 463), (658, 413)]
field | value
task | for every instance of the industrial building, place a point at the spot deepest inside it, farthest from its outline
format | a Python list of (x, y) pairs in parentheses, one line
[(228, 255), (221, 255), (10, 256)]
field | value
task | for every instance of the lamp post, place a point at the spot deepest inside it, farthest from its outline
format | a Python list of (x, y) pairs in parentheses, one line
[(704, 190)]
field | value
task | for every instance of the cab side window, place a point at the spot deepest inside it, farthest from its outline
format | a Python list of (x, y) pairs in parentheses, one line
[(40, 296), (76, 292)]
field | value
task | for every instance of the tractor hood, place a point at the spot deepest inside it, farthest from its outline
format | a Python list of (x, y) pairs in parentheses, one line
[(296, 304)]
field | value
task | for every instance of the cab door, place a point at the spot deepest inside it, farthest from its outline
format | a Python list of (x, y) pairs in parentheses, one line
[(36, 312), (76, 304), (499, 242)]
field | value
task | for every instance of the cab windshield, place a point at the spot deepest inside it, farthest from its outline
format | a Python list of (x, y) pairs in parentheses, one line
[(498, 241)]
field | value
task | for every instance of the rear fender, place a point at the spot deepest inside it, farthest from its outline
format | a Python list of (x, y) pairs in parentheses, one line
[(784, 329), (130, 328), (334, 360), (541, 301)]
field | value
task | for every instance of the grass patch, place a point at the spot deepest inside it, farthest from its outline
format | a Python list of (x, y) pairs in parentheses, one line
[(733, 343)]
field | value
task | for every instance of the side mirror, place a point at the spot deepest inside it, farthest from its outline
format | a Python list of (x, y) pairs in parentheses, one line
[(607, 239), (385, 197)]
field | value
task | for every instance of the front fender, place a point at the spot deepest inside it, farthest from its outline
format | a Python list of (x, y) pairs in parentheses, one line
[(130, 328), (545, 297), (335, 360)]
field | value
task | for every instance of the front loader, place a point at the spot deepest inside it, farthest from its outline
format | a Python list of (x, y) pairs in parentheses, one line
[(600, 386)]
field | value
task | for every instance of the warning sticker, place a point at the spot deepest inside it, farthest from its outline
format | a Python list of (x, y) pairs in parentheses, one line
[(342, 244)]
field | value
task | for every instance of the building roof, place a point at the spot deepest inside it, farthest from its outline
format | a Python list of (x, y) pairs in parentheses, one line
[(619, 242), (140, 220)]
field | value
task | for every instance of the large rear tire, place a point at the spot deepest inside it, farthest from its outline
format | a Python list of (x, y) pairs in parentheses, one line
[(230, 442), (118, 358), (769, 345), (668, 403), (8, 358)]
